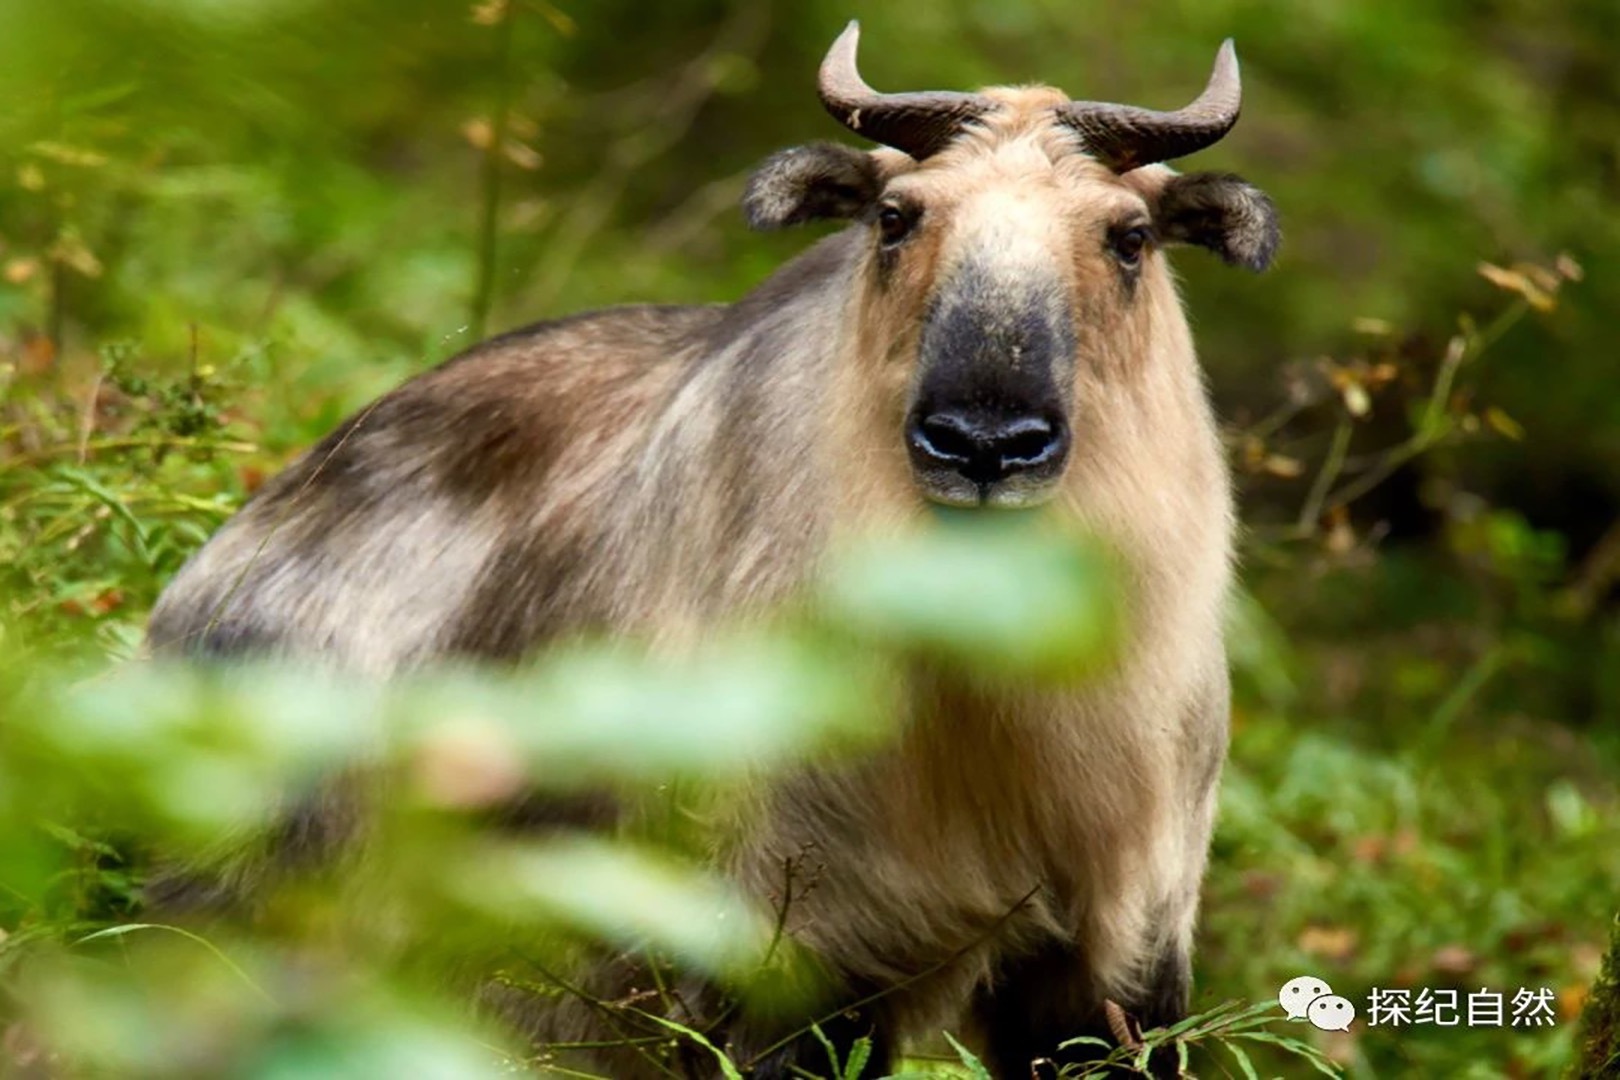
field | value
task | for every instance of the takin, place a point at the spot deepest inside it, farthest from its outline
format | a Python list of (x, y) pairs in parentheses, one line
[(996, 327)]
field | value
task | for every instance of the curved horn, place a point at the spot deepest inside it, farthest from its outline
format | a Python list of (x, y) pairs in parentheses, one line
[(1124, 137), (921, 124)]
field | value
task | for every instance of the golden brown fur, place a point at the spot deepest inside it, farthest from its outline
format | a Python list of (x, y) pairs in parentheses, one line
[(652, 471)]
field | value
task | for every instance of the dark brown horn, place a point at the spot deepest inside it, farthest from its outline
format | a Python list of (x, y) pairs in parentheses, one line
[(921, 124), (1124, 137)]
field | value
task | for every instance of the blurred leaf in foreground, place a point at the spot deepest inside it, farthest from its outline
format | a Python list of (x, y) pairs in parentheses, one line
[(1002, 597), (170, 1004), (630, 897)]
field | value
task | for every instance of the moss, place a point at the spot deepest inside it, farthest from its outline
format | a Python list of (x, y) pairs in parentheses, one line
[(1599, 1038)]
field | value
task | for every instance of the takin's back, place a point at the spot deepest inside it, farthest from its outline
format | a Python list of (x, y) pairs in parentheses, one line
[(455, 516), (639, 469)]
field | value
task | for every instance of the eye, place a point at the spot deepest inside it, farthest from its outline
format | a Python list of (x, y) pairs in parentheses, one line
[(1128, 245), (894, 224)]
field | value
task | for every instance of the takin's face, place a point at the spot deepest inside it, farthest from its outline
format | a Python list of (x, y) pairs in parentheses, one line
[(1005, 275)]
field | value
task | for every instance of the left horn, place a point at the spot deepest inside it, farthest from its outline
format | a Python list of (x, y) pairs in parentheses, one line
[(921, 124), (1124, 137)]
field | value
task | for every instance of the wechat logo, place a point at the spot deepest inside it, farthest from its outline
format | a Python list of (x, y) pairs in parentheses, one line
[(1309, 998)]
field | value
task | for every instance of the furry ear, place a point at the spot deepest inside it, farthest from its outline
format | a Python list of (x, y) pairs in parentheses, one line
[(1221, 212), (821, 180)]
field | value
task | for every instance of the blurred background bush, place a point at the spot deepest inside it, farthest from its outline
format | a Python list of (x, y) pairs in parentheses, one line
[(224, 224)]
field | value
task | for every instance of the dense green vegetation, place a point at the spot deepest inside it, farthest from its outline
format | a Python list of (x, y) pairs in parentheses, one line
[(225, 225)]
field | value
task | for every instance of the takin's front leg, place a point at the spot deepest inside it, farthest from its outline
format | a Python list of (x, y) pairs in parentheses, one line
[(1044, 998)]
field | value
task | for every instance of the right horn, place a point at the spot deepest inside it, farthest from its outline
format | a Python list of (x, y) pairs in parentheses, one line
[(921, 124), (1124, 137)]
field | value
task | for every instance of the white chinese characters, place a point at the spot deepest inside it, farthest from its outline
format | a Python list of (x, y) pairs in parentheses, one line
[(1451, 1008)]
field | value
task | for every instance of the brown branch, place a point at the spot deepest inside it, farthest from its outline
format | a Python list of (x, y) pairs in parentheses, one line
[(614, 1014), (1124, 1028), (158, 442), (493, 173)]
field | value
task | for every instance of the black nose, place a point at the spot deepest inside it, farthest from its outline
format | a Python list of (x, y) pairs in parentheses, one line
[(985, 448)]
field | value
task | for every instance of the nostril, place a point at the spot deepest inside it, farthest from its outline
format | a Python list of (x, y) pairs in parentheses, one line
[(1025, 442), (948, 438)]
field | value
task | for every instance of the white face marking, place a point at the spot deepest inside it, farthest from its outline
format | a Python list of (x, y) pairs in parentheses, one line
[(1011, 231), (1297, 994)]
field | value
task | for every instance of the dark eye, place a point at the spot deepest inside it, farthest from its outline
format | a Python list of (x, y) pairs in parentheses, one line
[(1128, 245), (894, 224)]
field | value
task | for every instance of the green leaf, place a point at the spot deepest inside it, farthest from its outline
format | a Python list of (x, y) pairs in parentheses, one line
[(1294, 1046), (608, 713), (135, 928), (827, 1045), (727, 1068), (631, 897), (974, 1066), (1242, 1058), (859, 1055), (997, 597)]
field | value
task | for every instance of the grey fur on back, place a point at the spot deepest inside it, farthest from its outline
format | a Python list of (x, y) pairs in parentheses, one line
[(530, 488)]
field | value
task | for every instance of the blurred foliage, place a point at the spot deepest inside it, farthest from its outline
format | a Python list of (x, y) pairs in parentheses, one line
[(224, 225), (356, 970)]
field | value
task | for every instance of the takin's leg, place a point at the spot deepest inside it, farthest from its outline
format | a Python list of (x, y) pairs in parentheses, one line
[(1044, 998)]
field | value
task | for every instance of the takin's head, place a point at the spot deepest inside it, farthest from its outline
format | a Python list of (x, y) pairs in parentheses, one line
[(1013, 260)]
